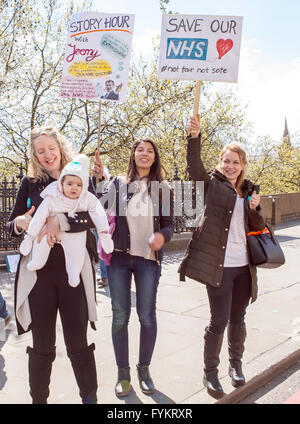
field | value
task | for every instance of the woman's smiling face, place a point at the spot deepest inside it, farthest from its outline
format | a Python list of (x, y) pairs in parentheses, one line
[(144, 156), (231, 166), (48, 154)]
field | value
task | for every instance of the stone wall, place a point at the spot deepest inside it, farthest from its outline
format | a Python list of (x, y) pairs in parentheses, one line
[(281, 207)]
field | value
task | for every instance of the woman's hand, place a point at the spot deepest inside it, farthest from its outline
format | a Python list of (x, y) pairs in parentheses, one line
[(97, 168), (51, 230), (193, 126), (156, 241), (23, 221), (254, 200)]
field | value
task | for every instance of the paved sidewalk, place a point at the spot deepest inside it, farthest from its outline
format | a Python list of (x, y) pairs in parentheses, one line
[(273, 341), (295, 399)]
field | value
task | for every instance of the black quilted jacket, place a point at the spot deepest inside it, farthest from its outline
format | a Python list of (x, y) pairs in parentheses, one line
[(204, 258)]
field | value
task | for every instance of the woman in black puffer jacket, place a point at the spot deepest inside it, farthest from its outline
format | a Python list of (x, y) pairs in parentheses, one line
[(218, 255)]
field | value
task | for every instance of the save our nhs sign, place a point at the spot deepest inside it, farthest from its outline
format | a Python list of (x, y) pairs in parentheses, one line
[(200, 47)]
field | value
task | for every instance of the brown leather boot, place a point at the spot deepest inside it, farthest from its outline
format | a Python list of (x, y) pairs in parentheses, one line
[(212, 348), (236, 339)]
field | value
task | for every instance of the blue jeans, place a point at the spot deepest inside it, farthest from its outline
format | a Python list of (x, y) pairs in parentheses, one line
[(3, 310), (103, 269), (146, 275)]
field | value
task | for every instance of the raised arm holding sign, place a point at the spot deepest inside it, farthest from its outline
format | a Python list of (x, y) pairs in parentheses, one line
[(207, 48)]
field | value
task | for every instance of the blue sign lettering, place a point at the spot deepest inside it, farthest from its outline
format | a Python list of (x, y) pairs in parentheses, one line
[(187, 48)]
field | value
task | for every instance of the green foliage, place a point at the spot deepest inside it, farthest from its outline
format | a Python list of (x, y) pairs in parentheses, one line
[(35, 38), (32, 48), (276, 167), (159, 109), (15, 22), (154, 108), (163, 4)]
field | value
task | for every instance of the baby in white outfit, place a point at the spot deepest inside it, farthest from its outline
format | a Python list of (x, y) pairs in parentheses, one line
[(67, 195)]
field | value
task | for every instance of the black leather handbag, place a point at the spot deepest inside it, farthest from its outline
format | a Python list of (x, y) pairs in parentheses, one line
[(264, 249)]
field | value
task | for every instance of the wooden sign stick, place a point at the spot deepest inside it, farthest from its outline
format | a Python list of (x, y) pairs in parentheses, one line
[(197, 99), (98, 141)]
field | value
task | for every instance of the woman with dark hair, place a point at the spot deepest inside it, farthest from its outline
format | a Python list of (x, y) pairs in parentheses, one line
[(143, 205)]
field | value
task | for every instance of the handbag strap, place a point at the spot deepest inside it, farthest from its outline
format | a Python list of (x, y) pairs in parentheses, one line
[(266, 230), (256, 233), (271, 233)]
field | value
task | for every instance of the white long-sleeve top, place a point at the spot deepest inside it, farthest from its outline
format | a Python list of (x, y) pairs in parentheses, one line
[(236, 248)]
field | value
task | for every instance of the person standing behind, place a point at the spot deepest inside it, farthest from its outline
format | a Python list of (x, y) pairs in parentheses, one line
[(5, 317), (39, 295), (144, 223), (218, 256), (103, 280)]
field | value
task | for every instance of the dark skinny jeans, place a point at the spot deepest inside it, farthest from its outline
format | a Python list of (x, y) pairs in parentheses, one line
[(229, 301)]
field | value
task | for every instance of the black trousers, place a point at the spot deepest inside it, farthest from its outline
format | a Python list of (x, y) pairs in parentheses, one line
[(229, 301), (52, 293)]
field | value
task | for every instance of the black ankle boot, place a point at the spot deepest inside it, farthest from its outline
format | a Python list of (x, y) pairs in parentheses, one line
[(212, 349), (123, 386), (145, 380), (84, 367), (236, 340), (39, 368)]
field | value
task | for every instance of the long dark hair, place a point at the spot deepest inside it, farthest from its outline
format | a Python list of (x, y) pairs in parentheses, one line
[(157, 171)]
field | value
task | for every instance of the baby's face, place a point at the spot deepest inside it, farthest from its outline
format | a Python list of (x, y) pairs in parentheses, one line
[(72, 186)]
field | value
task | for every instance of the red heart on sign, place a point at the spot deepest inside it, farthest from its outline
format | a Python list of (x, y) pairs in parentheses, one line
[(223, 46)]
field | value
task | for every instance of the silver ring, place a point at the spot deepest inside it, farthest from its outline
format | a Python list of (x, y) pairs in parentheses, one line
[(53, 238)]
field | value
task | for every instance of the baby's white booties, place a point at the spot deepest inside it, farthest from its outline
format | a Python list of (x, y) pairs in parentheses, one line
[(26, 245)]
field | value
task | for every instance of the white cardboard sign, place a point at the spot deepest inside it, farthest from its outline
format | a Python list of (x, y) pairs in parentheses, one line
[(200, 47), (97, 56)]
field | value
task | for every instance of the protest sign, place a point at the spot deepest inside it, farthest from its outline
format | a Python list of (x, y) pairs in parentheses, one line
[(97, 56), (200, 47)]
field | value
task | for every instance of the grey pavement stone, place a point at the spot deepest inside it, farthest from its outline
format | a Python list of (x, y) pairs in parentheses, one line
[(183, 313)]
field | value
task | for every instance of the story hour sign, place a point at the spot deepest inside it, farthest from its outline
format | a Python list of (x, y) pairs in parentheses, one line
[(200, 47), (97, 56)]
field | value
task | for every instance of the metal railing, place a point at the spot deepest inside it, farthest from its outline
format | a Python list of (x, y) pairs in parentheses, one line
[(8, 192)]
